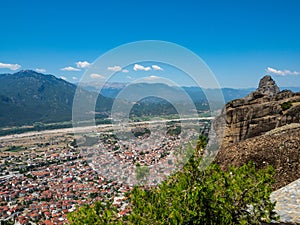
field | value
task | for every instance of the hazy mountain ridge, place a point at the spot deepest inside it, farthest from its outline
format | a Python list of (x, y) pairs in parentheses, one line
[(27, 97), (112, 90)]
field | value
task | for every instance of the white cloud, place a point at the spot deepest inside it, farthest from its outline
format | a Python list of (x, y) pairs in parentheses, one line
[(10, 66), (82, 64), (125, 71), (40, 70), (114, 68), (129, 77), (152, 78), (64, 78), (156, 67), (148, 68), (74, 78), (140, 67), (96, 76), (281, 72), (137, 67), (69, 68)]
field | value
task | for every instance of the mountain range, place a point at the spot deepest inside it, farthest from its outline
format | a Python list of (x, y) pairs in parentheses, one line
[(27, 97), (112, 90), (197, 94)]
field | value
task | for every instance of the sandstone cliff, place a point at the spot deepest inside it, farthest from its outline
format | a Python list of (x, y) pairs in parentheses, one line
[(278, 148), (263, 127), (259, 112)]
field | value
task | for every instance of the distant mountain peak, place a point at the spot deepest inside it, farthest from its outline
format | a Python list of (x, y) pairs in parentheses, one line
[(27, 71), (37, 75)]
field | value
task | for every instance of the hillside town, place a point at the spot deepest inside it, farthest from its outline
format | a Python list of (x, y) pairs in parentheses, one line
[(46, 176)]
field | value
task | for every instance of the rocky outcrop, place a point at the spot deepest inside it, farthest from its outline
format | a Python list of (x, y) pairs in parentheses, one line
[(267, 86), (263, 127), (259, 112), (279, 148)]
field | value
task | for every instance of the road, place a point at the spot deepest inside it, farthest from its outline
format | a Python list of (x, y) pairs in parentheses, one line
[(91, 128)]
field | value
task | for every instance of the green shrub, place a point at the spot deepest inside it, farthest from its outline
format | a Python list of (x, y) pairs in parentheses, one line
[(286, 105), (100, 213), (239, 196), (141, 173)]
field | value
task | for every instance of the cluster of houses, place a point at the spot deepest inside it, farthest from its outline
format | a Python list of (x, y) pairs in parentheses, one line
[(50, 193), (42, 183)]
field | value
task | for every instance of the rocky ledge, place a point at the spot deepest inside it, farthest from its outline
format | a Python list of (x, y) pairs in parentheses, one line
[(279, 147)]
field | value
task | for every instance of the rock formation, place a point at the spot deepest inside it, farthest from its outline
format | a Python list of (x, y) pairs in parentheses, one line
[(263, 127), (278, 148), (267, 86), (259, 112)]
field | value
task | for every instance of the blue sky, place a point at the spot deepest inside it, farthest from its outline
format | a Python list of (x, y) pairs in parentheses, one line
[(238, 40)]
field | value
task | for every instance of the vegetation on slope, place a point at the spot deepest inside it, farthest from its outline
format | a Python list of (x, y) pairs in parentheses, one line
[(28, 97), (194, 196)]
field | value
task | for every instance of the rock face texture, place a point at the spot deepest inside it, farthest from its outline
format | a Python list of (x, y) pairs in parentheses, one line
[(267, 86), (263, 127), (259, 112), (279, 148)]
